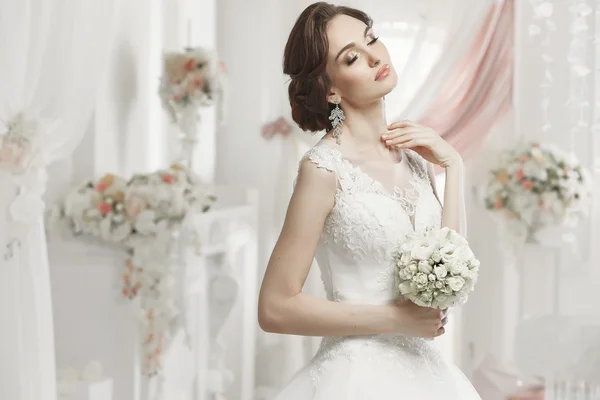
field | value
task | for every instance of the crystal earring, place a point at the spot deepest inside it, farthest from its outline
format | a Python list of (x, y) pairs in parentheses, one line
[(337, 118)]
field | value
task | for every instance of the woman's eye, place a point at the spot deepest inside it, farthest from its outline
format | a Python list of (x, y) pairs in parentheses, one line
[(374, 40), (351, 60)]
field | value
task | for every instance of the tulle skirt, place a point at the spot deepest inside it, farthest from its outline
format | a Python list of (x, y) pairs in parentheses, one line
[(378, 367)]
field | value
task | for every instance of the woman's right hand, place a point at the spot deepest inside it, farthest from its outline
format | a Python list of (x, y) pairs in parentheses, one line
[(413, 320)]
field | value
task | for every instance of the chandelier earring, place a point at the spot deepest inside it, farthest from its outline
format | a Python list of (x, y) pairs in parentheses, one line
[(337, 119)]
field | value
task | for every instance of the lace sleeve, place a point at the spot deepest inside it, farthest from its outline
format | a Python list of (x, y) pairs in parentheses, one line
[(322, 157)]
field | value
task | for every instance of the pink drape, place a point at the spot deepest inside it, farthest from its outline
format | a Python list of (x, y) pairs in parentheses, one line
[(479, 93)]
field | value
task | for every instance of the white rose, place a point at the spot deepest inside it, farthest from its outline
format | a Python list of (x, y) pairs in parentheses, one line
[(439, 285), (474, 263), (407, 288), (426, 297), (420, 279), (440, 271), (422, 252), (457, 267), (121, 232), (468, 274), (457, 240), (447, 252), (431, 277), (144, 222), (456, 283), (446, 289), (441, 298), (436, 256), (412, 268), (405, 274), (425, 267), (405, 258)]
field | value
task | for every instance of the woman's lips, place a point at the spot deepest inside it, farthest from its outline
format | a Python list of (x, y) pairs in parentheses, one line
[(383, 72)]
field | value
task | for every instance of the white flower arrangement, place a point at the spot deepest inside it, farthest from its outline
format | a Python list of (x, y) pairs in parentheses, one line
[(535, 186), (436, 268), (191, 79), (141, 214)]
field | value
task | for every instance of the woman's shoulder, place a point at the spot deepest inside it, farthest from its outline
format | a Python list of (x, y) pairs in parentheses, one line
[(322, 156)]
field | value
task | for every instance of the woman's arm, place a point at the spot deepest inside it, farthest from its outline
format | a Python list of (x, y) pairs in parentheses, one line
[(453, 210), (454, 213), (284, 308), (433, 148)]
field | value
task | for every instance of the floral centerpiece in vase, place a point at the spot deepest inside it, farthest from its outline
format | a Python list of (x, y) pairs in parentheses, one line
[(140, 214), (191, 79), (536, 186)]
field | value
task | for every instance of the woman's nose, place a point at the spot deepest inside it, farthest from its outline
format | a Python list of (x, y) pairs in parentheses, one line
[(373, 60)]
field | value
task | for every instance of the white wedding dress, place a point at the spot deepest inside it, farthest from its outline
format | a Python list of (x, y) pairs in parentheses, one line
[(375, 205)]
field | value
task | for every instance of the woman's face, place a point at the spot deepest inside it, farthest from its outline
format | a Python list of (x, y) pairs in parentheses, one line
[(358, 63)]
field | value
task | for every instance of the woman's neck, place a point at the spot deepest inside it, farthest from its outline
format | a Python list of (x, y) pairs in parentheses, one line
[(363, 127)]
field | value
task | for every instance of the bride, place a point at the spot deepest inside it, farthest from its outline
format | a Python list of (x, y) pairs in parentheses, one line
[(359, 190)]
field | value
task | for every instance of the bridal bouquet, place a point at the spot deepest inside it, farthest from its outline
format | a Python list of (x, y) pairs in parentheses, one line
[(537, 185), (436, 268)]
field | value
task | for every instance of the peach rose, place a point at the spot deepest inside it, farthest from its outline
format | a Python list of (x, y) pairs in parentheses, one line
[(104, 183), (134, 205), (498, 205), (502, 177), (527, 185), (523, 159)]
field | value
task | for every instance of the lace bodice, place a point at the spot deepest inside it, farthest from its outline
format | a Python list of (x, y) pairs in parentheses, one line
[(367, 223)]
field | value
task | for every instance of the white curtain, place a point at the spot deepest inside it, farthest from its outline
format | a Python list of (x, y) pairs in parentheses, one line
[(423, 38), (52, 55)]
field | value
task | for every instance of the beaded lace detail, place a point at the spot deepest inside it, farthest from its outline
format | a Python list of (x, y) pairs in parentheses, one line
[(367, 223)]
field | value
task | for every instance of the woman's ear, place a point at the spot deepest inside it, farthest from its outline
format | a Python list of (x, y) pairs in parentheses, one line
[(334, 98)]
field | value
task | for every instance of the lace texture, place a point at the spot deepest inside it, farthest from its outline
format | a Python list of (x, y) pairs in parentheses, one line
[(366, 224)]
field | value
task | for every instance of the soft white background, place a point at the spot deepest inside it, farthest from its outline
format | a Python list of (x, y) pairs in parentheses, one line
[(130, 134)]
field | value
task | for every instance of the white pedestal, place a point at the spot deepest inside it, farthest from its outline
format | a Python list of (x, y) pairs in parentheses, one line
[(101, 390), (93, 322)]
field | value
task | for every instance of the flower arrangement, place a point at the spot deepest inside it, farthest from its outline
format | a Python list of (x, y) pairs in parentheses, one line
[(16, 144), (537, 185), (141, 214), (278, 127), (436, 268), (190, 80)]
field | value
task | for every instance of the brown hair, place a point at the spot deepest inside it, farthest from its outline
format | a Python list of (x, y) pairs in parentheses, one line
[(305, 59)]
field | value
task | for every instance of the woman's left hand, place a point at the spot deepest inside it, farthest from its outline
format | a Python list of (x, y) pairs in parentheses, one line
[(423, 140)]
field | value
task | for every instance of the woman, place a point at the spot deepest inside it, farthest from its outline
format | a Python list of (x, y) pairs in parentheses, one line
[(363, 186)]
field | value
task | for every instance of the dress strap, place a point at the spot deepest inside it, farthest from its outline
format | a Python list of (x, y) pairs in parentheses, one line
[(324, 157)]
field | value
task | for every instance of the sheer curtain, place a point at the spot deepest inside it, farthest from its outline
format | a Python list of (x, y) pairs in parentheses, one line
[(52, 54)]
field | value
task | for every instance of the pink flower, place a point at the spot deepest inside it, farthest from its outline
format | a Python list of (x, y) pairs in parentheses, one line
[(222, 66), (519, 174), (199, 82), (12, 155), (134, 205), (168, 178), (104, 183), (527, 185), (189, 64), (104, 208), (498, 205), (523, 159)]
